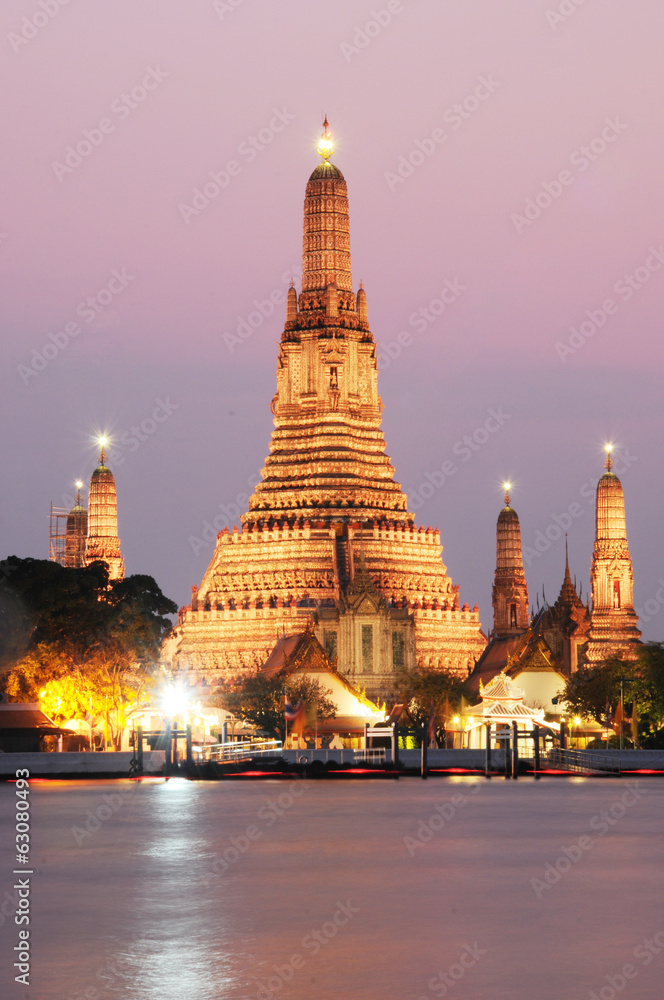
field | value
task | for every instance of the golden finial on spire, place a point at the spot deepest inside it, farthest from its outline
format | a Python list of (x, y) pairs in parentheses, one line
[(79, 486), (608, 448), (102, 441), (507, 487), (325, 143)]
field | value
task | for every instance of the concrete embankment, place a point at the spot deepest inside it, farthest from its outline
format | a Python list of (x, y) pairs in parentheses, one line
[(79, 765), (118, 765)]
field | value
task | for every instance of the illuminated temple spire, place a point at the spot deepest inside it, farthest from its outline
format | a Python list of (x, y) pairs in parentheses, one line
[(328, 450), (103, 541), (613, 620), (328, 532), (76, 532), (510, 591)]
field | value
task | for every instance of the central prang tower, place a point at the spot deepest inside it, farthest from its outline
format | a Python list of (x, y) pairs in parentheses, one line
[(328, 534)]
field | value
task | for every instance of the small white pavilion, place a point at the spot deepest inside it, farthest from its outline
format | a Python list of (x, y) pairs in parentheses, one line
[(502, 704)]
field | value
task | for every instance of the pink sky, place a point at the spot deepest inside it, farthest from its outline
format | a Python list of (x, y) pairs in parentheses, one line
[(535, 90)]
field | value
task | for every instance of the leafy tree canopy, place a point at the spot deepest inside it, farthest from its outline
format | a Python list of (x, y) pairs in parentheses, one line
[(261, 700), (76, 610), (99, 688), (591, 689), (424, 686)]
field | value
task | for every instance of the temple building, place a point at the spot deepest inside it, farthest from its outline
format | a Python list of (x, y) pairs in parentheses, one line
[(510, 590), (78, 536), (541, 650), (328, 533), (76, 532), (103, 541), (614, 627)]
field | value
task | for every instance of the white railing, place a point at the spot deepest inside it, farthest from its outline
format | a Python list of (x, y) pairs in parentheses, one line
[(581, 761), (348, 756), (229, 752)]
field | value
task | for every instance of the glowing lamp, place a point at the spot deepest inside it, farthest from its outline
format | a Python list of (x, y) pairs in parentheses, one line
[(174, 700), (456, 720), (325, 144)]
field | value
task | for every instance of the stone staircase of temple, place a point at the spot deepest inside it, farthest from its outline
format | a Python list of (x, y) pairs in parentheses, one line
[(343, 568)]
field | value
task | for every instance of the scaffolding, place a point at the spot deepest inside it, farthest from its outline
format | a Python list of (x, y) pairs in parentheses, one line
[(68, 532), (57, 535)]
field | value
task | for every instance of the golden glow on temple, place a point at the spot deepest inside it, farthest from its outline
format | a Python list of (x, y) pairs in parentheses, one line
[(325, 143), (328, 534), (608, 448), (613, 620)]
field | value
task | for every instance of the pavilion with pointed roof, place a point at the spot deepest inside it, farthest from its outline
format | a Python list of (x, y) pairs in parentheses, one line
[(502, 703)]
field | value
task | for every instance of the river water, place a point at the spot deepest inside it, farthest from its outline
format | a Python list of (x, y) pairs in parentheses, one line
[(366, 890)]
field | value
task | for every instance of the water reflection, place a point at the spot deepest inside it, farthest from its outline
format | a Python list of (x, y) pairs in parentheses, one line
[(324, 897)]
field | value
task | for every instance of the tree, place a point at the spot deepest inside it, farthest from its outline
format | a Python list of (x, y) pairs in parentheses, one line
[(593, 689), (76, 610), (77, 643), (425, 686), (261, 700), (99, 688)]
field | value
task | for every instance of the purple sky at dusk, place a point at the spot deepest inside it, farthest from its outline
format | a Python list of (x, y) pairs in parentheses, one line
[(534, 89)]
